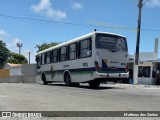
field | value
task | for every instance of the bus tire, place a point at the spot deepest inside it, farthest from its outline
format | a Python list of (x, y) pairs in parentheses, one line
[(67, 79), (75, 84), (44, 80), (94, 83)]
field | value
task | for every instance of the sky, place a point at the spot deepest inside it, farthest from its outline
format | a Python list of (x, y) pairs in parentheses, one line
[(33, 22)]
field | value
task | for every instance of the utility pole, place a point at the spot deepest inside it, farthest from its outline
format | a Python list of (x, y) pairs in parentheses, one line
[(19, 45), (140, 5), (29, 53), (138, 31)]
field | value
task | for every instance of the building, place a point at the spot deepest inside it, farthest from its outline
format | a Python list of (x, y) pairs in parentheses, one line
[(14, 69), (148, 66), (18, 73), (20, 69)]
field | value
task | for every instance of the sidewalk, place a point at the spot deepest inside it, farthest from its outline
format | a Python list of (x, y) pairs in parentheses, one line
[(138, 86)]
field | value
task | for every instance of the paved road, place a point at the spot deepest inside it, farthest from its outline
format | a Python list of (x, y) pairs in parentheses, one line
[(57, 97)]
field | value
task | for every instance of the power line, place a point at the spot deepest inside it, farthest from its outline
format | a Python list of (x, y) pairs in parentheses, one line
[(34, 19), (146, 2), (69, 23), (137, 4), (134, 2)]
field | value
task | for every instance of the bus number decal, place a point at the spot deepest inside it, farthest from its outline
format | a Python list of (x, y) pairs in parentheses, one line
[(66, 66), (85, 64)]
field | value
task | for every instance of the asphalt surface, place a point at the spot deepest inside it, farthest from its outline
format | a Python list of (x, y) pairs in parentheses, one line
[(58, 97)]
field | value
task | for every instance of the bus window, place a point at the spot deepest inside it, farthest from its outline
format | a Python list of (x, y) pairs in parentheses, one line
[(63, 54), (38, 60), (85, 48), (51, 56), (55, 56), (111, 42), (48, 57), (43, 59), (72, 51)]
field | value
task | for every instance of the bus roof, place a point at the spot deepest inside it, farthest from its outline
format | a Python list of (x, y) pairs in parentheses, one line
[(77, 39)]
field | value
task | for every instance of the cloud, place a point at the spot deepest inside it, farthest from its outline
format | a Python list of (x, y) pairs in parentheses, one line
[(3, 35), (13, 43), (76, 5), (153, 3), (2, 32), (45, 7)]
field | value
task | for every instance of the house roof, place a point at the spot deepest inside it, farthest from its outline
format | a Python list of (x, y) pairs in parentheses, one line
[(10, 65), (15, 65)]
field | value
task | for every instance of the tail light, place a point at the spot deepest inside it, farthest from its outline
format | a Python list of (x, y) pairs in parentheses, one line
[(97, 66), (126, 68)]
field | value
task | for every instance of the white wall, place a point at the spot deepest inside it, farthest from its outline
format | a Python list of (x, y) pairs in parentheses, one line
[(28, 69), (15, 71), (146, 81)]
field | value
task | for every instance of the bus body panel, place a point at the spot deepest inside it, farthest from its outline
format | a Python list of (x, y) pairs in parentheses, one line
[(111, 61), (111, 65)]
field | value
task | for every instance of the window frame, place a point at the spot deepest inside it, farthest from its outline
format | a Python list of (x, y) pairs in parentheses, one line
[(55, 56), (64, 54), (48, 54), (75, 51), (38, 61), (43, 59), (142, 71), (115, 37), (88, 48)]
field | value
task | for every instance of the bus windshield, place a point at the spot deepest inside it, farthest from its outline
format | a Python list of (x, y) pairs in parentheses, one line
[(111, 42)]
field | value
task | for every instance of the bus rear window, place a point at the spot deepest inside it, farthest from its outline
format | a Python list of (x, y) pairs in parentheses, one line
[(111, 42)]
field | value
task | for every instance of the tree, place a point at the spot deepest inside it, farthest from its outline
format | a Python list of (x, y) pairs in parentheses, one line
[(4, 53), (17, 59), (45, 46)]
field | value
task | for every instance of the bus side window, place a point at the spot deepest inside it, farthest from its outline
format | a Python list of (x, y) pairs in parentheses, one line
[(48, 57), (72, 51), (38, 60), (85, 48), (78, 50), (55, 55), (51, 56), (43, 58), (63, 54), (90, 46), (59, 53)]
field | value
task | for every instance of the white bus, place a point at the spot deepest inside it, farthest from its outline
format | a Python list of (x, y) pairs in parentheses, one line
[(92, 58)]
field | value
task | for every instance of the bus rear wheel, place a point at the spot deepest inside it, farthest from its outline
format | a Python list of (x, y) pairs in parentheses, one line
[(67, 79), (94, 83), (44, 80)]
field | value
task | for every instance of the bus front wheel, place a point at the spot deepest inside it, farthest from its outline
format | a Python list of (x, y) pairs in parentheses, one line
[(67, 79), (94, 83)]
